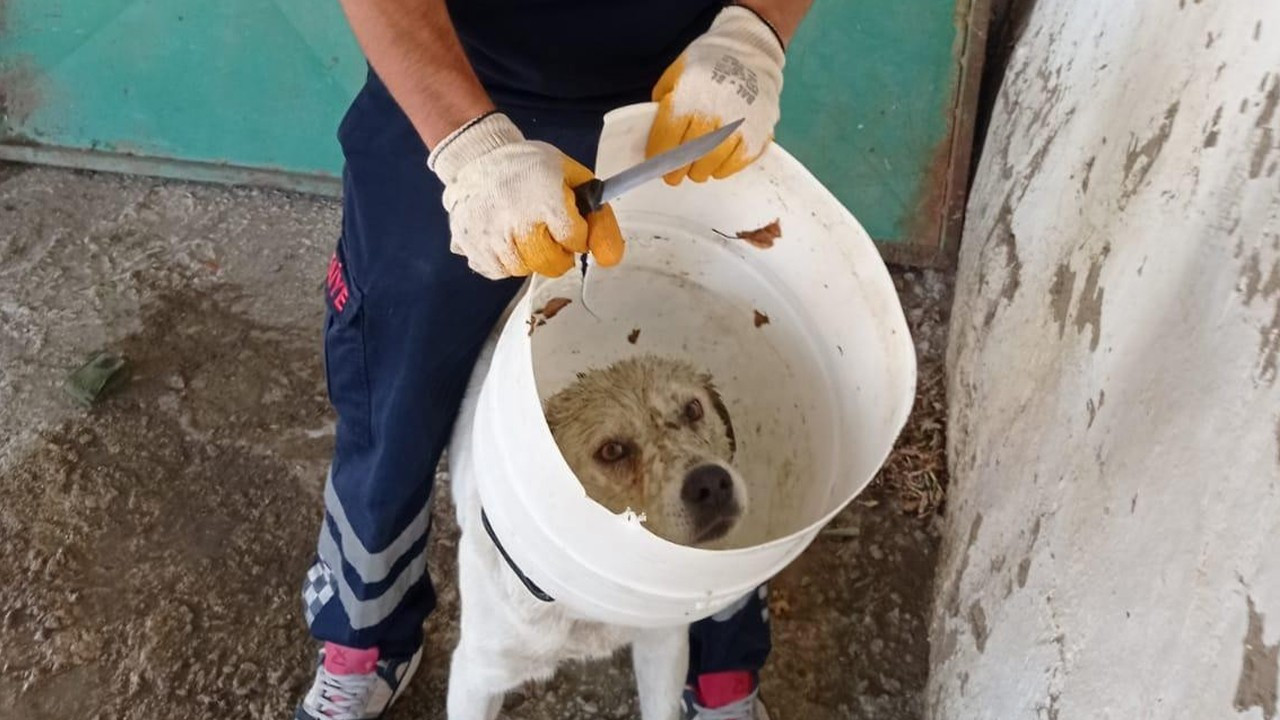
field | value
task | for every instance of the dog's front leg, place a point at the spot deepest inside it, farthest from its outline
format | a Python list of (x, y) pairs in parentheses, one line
[(470, 697), (661, 659)]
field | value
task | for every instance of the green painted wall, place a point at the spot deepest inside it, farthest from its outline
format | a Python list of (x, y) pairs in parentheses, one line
[(262, 84), (867, 100)]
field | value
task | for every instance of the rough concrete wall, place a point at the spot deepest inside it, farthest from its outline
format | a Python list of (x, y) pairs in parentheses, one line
[(1113, 548)]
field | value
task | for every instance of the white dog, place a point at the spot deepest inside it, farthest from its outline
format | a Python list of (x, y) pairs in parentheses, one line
[(647, 434)]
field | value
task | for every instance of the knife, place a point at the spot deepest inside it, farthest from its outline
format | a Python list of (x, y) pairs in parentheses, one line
[(593, 194)]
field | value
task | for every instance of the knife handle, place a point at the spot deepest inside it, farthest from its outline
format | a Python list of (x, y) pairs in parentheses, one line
[(589, 196)]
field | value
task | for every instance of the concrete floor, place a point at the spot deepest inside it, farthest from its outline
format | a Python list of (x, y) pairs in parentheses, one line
[(151, 547)]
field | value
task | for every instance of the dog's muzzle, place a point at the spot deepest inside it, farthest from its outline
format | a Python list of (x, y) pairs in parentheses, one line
[(709, 496)]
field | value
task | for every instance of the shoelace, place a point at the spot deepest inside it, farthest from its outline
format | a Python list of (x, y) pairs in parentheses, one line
[(342, 697), (743, 709)]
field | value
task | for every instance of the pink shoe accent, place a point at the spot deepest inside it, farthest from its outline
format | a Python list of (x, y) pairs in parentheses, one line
[(342, 660), (719, 689)]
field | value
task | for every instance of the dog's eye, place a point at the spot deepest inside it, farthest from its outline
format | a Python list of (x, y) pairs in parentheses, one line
[(612, 452), (693, 411)]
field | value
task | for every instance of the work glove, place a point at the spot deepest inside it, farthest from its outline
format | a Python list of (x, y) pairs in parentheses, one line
[(511, 206), (733, 70)]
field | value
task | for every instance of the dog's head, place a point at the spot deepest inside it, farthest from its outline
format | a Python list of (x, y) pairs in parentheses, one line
[(652, 435)]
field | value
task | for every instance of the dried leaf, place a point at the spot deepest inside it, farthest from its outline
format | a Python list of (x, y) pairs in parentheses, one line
[(634, 336), (916, 472), (779, 603), (553, 306), (762, 237), (96, 377), (761, 319)]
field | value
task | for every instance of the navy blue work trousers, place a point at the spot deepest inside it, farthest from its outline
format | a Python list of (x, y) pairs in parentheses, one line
[(406, 319)]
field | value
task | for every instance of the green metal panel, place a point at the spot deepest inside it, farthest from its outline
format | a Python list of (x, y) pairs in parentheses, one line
[(258, 83), (228, 89), (868, 101)]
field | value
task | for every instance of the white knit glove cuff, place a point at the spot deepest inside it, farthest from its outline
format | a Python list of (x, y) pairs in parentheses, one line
[(744, 25), (471, 141)]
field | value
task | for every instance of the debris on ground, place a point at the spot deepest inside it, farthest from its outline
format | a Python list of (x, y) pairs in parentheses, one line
[(87, 383), (915, 475)]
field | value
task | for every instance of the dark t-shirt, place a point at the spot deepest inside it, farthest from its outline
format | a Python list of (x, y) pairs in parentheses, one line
[(593, 54)]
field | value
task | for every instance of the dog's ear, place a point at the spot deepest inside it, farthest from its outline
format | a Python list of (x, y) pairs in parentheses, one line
[(717, 403)]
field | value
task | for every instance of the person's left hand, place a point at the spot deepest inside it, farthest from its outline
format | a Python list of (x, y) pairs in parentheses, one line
[(734, 70)]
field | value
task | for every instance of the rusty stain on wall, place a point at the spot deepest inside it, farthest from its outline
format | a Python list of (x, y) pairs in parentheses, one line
[(1064, 284), (1270, 102), (1211, 137), (1260, 669), (953, 589), (1002, 237), (1266, 136), (1269, 351), (1053, 705), (1024, 570), (1140, 157), (1089, 307), (1252, 286), (1261, 150), (978, 625), (1012, 263), (1093, 407), (1024, 565), (1088, 170)]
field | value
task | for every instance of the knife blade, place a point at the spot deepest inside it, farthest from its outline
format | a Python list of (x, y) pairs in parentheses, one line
[(593, 194)]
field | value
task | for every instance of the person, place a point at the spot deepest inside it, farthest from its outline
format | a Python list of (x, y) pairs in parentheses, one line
[(509, 96)]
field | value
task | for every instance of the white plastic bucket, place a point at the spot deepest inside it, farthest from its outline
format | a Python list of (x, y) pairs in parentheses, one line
[(817, 395)]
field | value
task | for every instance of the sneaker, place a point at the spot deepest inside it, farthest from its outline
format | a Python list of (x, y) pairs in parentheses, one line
[(724, 696), (355, 684)]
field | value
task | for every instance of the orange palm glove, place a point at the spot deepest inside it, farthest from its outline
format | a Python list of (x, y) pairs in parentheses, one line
[(734, 70), (511, 205)]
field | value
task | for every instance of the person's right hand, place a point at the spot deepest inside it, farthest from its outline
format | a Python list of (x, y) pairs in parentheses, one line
[(511, 205)]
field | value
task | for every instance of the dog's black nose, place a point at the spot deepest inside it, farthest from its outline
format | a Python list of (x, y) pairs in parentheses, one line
[(708, 488)]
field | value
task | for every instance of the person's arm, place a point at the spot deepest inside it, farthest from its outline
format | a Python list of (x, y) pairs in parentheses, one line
[(412, 46), (510, 201), (783, 15)]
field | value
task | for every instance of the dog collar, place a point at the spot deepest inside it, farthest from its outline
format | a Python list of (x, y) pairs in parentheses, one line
[(528, 584)]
